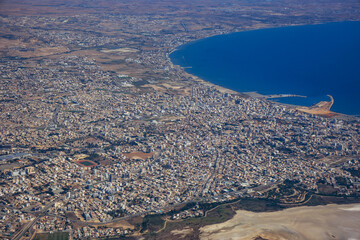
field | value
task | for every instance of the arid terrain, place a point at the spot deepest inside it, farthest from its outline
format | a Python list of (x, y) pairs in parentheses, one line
[(301, 223), (321, 108)]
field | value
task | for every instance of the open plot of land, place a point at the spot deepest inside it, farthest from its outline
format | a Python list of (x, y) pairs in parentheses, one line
[(138, 155), (119, 50), (52, 236), (120, 224), (294, 223)]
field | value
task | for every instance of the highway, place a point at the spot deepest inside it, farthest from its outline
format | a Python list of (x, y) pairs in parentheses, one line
[(21, 233), (28, 226)]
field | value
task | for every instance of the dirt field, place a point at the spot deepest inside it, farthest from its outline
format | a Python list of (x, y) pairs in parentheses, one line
[(138, 155), (322, 108), (120, 224), (317, 223)]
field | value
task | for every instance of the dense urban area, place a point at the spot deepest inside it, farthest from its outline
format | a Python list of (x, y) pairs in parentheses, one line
[(99, 127)]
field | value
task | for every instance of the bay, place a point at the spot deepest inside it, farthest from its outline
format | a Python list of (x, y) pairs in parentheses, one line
[(309, 60)]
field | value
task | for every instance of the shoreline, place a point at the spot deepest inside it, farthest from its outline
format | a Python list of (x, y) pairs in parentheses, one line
[(255, 94), (164, 149)]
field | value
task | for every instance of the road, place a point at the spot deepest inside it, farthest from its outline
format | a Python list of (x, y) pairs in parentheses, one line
[(28, 226), (218, 165), (21, 233)]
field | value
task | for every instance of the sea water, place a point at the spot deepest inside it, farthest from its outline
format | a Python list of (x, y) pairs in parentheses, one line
[(309, 60)]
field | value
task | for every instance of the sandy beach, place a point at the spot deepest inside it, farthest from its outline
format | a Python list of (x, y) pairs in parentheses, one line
[(340, 222)]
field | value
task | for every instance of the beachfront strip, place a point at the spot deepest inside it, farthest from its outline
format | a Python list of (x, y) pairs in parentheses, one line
[(96, 127)]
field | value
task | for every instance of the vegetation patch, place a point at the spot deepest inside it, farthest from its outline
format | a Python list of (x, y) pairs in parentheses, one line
[(52, 236), (86, 163), (152, 223)]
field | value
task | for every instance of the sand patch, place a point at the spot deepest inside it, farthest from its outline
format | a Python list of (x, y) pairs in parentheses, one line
[(322, 108), (120, 224), (183, 232), (138, 155), (120, 50), (317, 223)]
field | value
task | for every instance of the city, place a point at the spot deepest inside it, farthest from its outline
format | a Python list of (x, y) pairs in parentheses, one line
[(99, 127)]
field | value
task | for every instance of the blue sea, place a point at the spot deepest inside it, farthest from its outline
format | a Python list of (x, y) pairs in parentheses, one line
[(310, 60)]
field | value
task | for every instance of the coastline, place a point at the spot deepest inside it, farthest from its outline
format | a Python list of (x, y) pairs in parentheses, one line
[(314, 109), (165, 151), (256, 95)]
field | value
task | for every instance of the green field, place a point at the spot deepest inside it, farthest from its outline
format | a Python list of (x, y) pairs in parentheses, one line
[(52, 236), (86, 163)]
